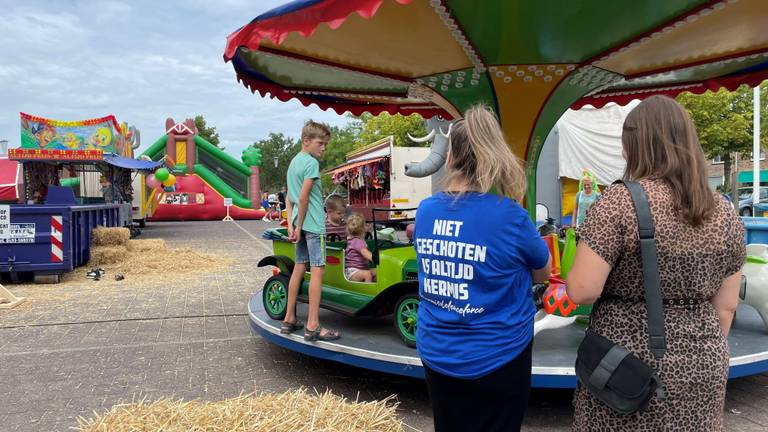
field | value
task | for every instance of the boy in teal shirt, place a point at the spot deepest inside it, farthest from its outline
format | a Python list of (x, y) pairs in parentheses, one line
[(306, 228)]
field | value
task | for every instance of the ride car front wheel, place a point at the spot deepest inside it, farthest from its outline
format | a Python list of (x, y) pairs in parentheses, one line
[(275, 296)]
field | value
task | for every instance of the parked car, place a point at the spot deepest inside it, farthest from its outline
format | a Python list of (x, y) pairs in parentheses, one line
[(745, 199)]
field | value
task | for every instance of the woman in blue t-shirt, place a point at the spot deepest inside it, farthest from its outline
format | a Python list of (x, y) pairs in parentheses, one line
[(478, 254)]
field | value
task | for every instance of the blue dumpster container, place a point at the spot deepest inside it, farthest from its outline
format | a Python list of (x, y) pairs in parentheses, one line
[(755, 230), (52, 239)]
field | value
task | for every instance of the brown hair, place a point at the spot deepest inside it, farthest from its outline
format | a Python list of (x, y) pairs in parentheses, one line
[(481, 157), (660, 141), (355, 225), (313, 129), (335, 202)]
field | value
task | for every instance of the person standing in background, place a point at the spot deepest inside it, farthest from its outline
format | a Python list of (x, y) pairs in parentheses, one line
[(585, 199)]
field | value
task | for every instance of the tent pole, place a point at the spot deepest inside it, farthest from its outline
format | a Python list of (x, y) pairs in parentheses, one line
[(755, 148)]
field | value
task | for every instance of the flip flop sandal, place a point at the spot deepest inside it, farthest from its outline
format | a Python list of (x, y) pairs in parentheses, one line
[(288, 328), (316, 334)]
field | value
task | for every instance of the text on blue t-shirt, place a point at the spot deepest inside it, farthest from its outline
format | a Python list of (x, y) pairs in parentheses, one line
[(475, 254)]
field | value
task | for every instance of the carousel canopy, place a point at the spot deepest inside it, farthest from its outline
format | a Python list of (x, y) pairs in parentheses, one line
[(529, 61)]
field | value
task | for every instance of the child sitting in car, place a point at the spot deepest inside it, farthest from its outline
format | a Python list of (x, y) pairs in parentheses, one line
[(335, 210), (357, 255)]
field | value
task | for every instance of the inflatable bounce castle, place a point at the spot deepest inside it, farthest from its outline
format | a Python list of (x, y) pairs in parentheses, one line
[(204, 176)]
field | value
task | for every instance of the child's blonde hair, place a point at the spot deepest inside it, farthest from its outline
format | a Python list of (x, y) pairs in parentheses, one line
[(313, 129), (335, 202), (355, 225)]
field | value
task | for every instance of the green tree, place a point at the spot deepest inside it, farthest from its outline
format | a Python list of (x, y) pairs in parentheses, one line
[(284, 149), (723, 121), (206, 132), (385, 124)]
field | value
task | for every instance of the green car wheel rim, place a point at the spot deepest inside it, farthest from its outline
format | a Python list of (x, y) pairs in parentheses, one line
[(407, 318), (276, 297)]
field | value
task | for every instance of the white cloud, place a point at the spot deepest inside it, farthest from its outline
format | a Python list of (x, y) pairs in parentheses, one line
[(142, 61)]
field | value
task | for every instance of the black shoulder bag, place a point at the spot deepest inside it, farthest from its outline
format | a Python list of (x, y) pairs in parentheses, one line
[(608, 370)]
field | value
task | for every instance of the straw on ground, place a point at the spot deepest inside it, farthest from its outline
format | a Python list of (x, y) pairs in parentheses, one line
[(295, 410), (146, 259)]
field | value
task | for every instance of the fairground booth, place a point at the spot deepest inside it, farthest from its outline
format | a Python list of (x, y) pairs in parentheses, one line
[(74, 176)]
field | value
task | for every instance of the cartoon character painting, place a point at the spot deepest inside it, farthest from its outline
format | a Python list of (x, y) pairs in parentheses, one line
[(43, 133), (101, 138), (71, 141)]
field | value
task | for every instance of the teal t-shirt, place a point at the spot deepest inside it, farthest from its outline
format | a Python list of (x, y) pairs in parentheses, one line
[(585, 203), (304, 167)]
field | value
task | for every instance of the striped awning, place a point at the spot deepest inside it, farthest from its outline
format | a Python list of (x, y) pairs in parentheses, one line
[(349, 166)]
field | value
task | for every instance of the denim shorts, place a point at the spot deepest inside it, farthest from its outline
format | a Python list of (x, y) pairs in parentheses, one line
[(311, 249)]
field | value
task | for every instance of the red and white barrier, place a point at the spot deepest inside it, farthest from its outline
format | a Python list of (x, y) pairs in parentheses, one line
[(57, 239)]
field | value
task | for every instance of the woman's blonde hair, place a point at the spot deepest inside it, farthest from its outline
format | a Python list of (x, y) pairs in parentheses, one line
[(660, 141), (481, 158), (355, 225)]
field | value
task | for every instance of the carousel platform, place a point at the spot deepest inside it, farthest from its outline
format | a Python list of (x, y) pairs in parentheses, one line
[(371, 343)]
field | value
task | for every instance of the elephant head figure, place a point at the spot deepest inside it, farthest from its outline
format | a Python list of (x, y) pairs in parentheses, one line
[(754, 288), (438, 131)]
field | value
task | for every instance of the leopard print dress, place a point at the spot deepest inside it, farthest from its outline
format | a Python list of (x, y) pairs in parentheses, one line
[(693, 261)]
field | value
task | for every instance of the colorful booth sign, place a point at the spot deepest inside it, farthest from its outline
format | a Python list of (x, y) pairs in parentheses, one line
[(101, 134), (62, 155)]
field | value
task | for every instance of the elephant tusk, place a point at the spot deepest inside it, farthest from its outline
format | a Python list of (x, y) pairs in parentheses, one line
[(135, 138), (429, 136), (447, 134)]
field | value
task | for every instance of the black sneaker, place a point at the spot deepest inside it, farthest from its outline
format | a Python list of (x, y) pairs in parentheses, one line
[(93, 274)]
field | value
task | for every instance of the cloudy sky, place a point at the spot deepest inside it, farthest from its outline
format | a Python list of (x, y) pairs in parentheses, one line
[(142, 61)]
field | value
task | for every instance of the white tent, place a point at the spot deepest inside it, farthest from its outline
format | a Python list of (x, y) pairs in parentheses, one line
[(590, 138)]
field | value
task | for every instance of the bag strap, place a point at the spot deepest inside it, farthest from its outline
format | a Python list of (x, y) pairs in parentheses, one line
[(656, 337), (607, 366)]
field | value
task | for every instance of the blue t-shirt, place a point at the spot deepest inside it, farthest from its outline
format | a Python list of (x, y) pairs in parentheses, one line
[(475, 254)]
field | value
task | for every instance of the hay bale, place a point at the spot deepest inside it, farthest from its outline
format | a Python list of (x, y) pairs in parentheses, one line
[(291, 411), (104, 255), (146, 245), (110, 236)]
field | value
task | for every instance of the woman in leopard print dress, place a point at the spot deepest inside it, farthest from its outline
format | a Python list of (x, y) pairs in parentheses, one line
[(699, 239)]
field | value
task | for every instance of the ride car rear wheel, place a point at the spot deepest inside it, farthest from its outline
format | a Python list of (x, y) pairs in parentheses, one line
[(405, 318)]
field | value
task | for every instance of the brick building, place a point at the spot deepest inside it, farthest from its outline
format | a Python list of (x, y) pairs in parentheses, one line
[(716, 168)]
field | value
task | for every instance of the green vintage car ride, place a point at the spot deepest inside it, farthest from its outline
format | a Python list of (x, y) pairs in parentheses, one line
[(395, 291)]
